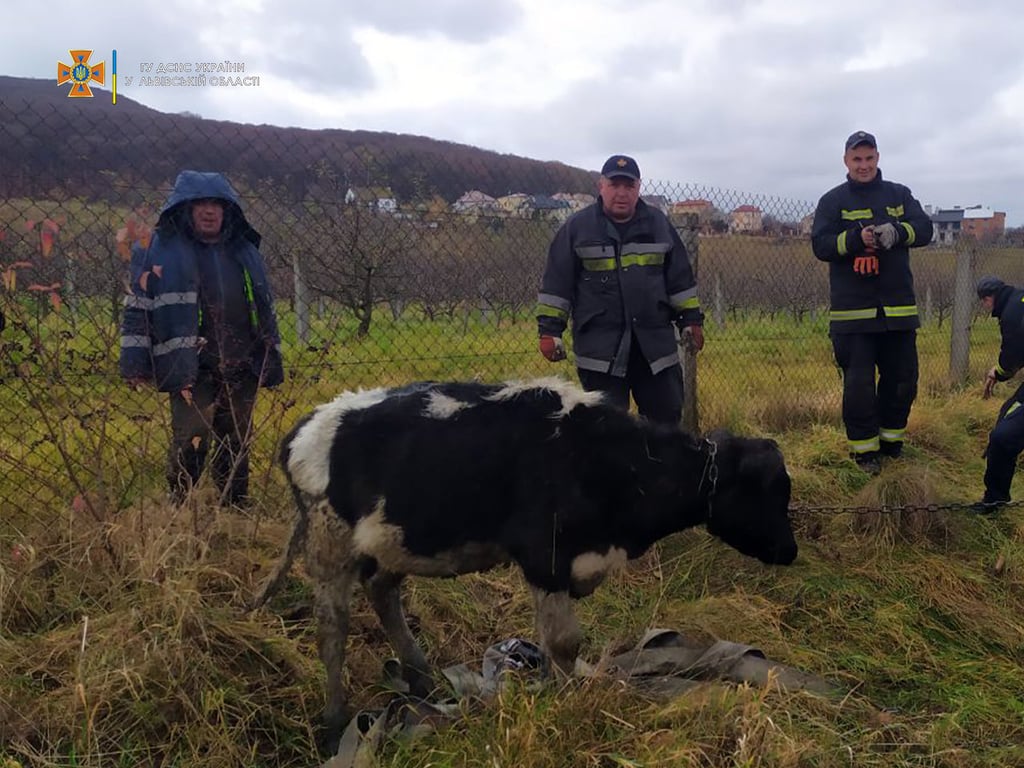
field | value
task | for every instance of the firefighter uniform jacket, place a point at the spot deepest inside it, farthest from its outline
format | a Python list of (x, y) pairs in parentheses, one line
[(1008, 307), (617, 287), (869, 303)]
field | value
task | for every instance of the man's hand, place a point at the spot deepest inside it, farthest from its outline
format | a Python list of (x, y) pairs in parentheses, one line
[(867, 236), (138, 383), (866, 265), (990, 383), (552, 348), (886, 235), (692, 337)]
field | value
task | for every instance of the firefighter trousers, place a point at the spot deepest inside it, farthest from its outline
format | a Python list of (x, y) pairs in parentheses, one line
[(875, 410), (658, 396), (1005, 443)]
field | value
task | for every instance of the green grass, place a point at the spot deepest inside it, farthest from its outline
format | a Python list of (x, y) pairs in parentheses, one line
[(123, 638)]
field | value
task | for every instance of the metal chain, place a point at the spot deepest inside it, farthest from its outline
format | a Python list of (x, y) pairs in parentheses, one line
[(959, 506), (710, 472)]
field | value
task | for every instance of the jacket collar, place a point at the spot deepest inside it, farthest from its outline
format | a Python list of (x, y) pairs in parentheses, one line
[(875, 182)]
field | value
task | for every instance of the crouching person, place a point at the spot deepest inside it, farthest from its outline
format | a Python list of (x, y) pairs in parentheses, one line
[(1006, 440), (199, 324)]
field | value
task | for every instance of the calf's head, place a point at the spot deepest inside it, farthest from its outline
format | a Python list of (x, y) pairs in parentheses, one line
[(749, 505)]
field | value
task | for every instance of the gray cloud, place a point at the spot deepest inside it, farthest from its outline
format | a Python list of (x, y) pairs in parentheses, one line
[(755, 95)]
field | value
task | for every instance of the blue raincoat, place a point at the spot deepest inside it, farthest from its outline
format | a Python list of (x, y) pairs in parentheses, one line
[(160, 338)]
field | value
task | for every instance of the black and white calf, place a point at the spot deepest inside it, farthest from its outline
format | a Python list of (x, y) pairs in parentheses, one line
[(438, 479)]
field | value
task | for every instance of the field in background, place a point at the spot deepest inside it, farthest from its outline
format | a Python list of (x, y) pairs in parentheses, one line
[(81, 432)]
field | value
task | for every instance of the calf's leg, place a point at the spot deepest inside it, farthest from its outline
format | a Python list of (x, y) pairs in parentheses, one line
[(382, 588), (332, 568), (557, 628)]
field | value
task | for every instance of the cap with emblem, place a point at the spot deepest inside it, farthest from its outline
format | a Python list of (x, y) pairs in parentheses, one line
[(620, 165)]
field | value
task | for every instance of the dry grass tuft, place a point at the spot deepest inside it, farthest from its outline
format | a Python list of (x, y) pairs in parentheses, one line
[(901, 484)]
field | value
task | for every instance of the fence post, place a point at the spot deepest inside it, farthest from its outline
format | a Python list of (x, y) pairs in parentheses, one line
[(301, 298), (719, 311), (688, 358), (963, 305)]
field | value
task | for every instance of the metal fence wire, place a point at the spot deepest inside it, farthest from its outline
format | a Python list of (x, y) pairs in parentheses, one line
[(392, 259)]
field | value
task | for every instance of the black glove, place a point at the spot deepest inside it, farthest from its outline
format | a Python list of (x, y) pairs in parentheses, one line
[(886, 235)]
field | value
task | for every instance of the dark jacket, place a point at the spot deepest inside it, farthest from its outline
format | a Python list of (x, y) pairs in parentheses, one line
[(1008, 307), (616, 287), (160, 330), (869, 303)]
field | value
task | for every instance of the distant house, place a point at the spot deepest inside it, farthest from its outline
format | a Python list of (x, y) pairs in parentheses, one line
[(375, 198), (547, 207), (698, 206), (950, 224), (656, 201), (577, 200), (747, 219), (807, 223), (515, 204), (475, 201), (983, 223), (947, 225)]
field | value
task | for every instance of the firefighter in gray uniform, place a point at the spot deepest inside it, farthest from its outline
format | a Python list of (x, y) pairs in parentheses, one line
[(619, 271)]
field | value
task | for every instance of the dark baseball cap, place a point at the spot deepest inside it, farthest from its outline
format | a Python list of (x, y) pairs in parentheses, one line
[(861, 137), (989, 285), (620, 165)]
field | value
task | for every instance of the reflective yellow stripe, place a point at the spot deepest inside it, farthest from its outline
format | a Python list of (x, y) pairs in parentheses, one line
[(911, 234), (841, 243), (892, 435), (598, 265), (855, 215), (693, 303), (254, 318), (1011, 409), (909, 310), (544, 310), (643, 259), (853, 314), (864, 446), (999, 370), (895, 212)]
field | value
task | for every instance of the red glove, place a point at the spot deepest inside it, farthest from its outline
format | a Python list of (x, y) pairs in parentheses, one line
[(867, 264), (692, 337), (552, 348)]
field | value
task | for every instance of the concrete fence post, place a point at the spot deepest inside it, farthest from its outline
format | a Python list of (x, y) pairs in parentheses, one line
[(963, 307), (689, 234), (301, 298)]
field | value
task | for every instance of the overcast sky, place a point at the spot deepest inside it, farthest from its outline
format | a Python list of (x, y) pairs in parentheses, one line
[(746, 95)]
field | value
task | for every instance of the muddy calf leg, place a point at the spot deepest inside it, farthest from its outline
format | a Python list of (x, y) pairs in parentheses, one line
[(557, 629), (383, 591)]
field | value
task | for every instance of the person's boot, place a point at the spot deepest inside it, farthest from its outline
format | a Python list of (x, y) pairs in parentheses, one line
[(990, 502), (891, 450), (869, 462)]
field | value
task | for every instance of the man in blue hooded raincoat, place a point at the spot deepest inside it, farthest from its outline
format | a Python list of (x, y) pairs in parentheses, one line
[(200, 325)]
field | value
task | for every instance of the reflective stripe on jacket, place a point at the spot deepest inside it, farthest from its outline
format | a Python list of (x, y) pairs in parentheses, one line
[(869, 303), (614, 288)]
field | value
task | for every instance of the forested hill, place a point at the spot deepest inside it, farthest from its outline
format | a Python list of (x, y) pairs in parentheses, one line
[(89, 147)]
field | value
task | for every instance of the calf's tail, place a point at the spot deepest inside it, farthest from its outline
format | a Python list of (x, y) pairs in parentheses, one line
[(295, 541)]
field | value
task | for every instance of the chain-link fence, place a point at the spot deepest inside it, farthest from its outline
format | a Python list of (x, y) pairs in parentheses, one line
[(392, 258)]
